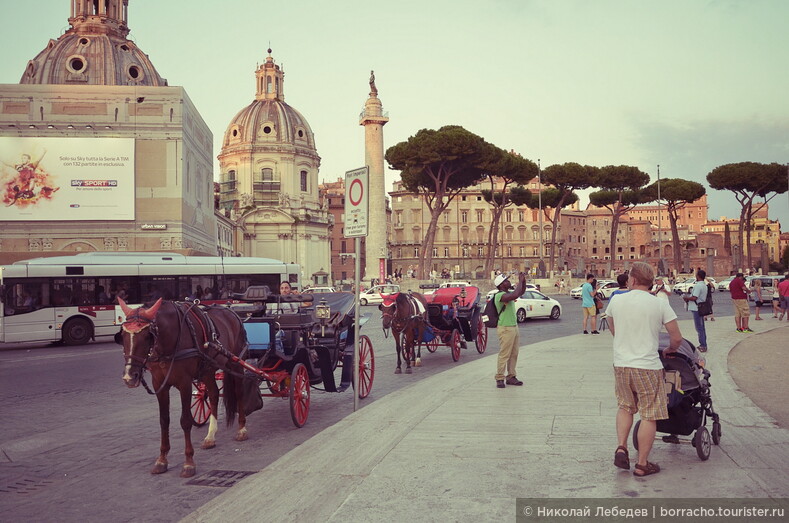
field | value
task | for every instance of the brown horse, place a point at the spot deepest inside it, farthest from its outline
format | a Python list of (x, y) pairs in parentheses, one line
[(406, 315), (178, 343)]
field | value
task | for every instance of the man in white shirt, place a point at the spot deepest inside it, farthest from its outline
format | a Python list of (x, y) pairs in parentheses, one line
[(635, 320)]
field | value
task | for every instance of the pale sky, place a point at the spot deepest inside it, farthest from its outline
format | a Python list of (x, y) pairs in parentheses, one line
[(685, 84)]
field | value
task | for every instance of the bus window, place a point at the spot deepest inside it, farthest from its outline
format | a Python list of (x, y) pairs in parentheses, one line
[(153, 288), (26, 297), (198, 288), (122, 288)]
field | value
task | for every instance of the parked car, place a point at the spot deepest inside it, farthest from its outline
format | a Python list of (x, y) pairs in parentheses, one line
[(576, 292), (529, 287), (607, 289), (534, 304), (318, 290), (768, 285), (724, 284), (374, 295), (684, 286), (444, 285)]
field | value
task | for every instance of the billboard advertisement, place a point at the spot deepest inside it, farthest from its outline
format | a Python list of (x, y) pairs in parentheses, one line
[(66, 179)]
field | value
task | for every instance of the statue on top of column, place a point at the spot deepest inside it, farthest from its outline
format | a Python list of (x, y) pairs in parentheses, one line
[(373, 89)]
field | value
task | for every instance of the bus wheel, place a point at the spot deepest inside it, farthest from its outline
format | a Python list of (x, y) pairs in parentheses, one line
[(77, 331)]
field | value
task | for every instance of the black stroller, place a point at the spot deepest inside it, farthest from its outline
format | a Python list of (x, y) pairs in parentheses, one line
[(689, 407)]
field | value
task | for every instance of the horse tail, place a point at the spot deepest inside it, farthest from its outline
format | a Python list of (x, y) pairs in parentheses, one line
[(230, 397)]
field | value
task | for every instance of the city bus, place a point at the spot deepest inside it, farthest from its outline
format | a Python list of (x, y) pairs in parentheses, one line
[(73, 298)]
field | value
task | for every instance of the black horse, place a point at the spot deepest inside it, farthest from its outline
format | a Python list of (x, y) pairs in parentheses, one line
[(406, 315), (178, 343)]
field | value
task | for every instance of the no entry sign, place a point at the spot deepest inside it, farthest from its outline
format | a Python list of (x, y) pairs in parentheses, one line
[(357, 189)]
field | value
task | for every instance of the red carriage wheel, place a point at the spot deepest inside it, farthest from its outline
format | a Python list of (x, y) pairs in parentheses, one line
[(366, 366), (299, 395), (455, 344), (481, 340), (201, 410), (432, 345)]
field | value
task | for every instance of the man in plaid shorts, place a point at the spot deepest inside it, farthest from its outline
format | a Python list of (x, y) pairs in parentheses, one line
[(635, 319)]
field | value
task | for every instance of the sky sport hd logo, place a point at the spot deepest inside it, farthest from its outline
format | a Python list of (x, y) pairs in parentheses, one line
[(94, 183)]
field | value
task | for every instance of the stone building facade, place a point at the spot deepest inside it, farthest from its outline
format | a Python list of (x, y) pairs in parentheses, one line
[(269, 180), (93, 83)]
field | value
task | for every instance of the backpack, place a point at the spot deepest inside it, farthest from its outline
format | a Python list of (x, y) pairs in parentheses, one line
[(490, 316)]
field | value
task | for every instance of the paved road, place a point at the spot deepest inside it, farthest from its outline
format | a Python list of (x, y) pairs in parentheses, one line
[(77, 445)]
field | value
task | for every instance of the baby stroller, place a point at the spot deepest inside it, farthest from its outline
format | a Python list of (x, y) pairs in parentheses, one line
[(690, 406)]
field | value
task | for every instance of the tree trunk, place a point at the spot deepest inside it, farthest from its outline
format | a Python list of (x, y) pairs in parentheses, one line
[(743, 212), (615, 215), (749, 216), (493, 236), (557, 214), (430, 238), (672, 218)]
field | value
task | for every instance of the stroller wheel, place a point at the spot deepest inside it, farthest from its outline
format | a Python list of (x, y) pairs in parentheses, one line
[(716, 432), (635, 434), (703, 443)]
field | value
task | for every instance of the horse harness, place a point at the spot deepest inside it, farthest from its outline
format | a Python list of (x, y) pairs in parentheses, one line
[(399, 322), (135, 324)]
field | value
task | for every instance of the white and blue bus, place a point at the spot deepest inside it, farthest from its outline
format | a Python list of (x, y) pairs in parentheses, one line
[(73, 298)]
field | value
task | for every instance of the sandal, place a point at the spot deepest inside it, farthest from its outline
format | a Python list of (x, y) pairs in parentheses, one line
[(647, 470), (622, 458)]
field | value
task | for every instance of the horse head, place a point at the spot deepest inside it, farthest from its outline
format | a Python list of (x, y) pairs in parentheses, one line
[(138, 337), (388, 309)]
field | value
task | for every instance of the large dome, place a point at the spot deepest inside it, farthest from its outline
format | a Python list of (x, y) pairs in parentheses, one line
[(94, 51)]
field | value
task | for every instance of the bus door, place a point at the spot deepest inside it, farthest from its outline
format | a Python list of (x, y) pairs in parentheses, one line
[(27, 314)]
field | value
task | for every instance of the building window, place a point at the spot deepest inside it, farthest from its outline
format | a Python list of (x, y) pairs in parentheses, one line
[(303, 181), (435, 252), (446, 252), (464, 216), (521, 216), (479, 215), (509, 215), (480, 252), (446, 217), (534, 251), (416, 252), (266, 175), (509, 250), (535, 234), (521, 252)]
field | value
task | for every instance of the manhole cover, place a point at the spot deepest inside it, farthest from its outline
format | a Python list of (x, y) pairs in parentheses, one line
[(220, 478), (25, 486)]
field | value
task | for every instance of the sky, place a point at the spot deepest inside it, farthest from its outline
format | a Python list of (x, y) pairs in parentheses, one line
[(684, 84)]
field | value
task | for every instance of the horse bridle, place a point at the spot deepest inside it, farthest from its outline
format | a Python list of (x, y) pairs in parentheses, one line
[(132, 360)]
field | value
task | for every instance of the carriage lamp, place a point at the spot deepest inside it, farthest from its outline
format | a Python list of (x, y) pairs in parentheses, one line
[(322, 310)]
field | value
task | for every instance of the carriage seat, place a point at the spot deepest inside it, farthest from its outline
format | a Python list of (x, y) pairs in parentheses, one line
[(439, 315)]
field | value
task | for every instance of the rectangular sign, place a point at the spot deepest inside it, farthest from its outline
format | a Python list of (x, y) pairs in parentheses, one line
[(66, 179), (357, 188)]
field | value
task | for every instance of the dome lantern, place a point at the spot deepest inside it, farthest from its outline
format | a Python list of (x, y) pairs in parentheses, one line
[(269, 80)]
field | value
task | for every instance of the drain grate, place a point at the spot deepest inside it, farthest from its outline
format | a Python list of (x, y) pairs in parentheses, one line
[(25, 486), (219, 478)]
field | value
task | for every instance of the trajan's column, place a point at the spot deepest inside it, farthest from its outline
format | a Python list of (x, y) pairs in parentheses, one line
[(373, 119)]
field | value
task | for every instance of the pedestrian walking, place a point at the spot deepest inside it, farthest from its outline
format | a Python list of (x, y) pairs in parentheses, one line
[(757, 297), (588, 291), (698, 294), (711, 288), (739, 297), (661, 289), (776, 300), (783, 297), (507, 329), (635, 319)]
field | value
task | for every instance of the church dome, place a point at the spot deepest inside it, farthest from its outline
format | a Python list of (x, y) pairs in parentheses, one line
[(268, 119), (95, 50)]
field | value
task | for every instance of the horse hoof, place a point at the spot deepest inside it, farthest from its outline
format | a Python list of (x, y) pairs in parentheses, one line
[(408, 370), (159, 468), (208, 445), (398, 371), (242, 436), (188, 471), (418, 362)]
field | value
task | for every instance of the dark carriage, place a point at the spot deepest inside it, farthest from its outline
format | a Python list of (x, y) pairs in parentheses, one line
[(295, 343), (455, 317)]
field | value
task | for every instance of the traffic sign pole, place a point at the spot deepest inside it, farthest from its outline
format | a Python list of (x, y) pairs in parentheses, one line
[(357, 185)]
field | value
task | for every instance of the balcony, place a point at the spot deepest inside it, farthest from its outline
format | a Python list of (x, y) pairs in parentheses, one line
[(266, 186)]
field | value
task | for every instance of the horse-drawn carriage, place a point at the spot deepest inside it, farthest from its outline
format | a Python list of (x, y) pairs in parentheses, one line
[(284, 345), (455, 317), (292, 348)]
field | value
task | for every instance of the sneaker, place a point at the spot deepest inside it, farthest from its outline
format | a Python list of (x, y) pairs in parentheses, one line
[(747, 330), (740, 330), (514, 381), (500, 384), (595, 332), (702, 348), (586, 332)]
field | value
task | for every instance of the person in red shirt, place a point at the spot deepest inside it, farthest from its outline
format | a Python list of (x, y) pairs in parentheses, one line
[(783, 297), (739, 297)]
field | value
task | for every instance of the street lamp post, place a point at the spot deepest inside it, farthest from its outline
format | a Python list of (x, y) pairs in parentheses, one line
[(659, 226), (539, 205)]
